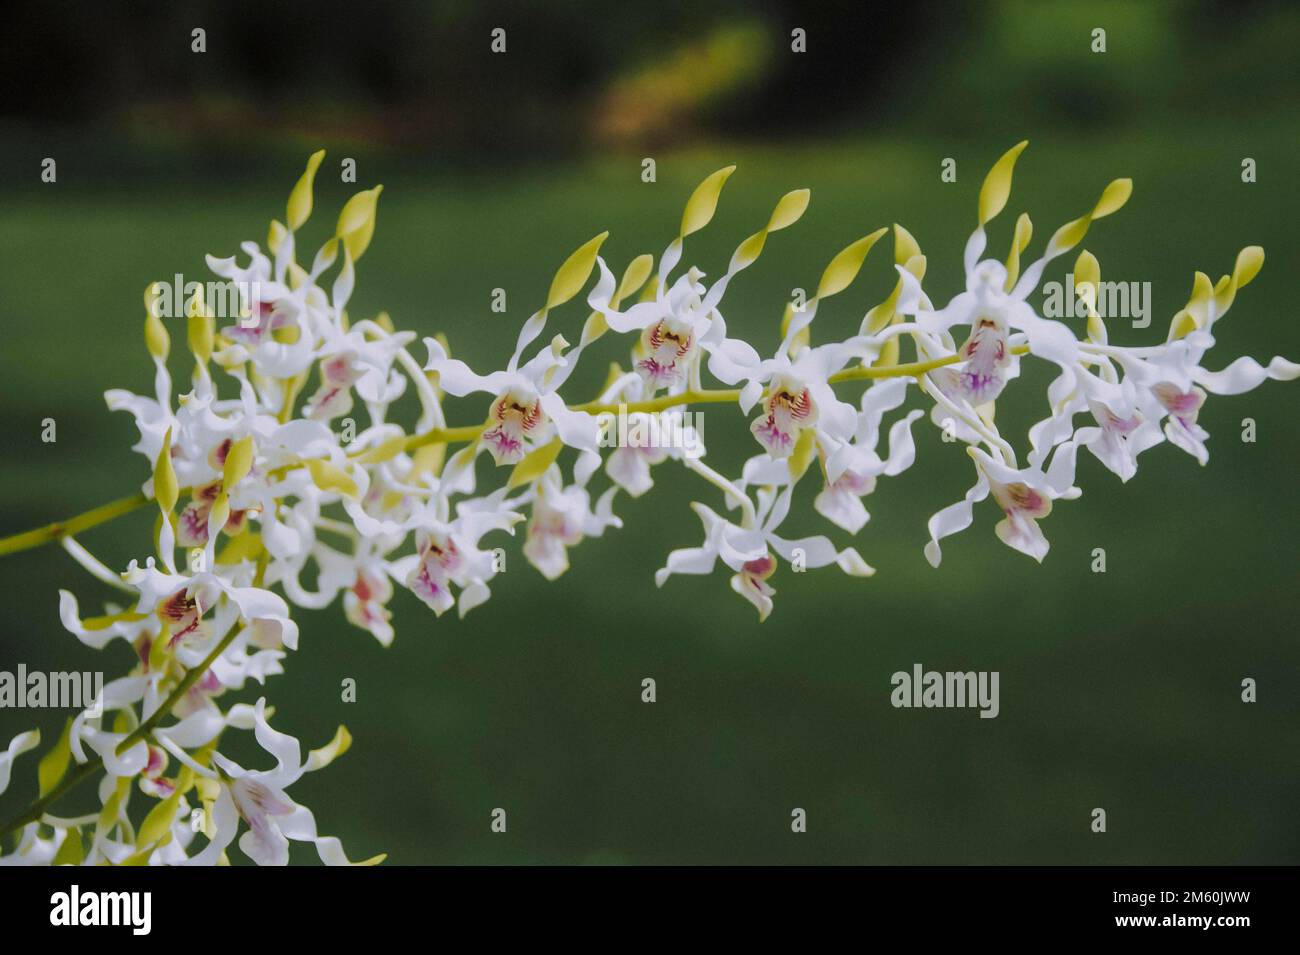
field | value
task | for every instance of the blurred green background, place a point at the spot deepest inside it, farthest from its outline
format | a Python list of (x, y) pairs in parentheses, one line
[(1118, 690)]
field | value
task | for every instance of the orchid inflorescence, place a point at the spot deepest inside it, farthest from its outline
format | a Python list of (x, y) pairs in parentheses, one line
[(257, 488)]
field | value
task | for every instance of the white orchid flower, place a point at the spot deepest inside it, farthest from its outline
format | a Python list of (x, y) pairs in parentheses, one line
[(525, 403), (681, 321), (448, 555), (561, 518), (852, 467), (670, 326), (362, 358), (651, 438), (1124, 422), (1172, 375), (181, 600), (258, 797), (994, 304), (277, 329), (747, 550), (1025, 495), (799, 394), (1161, 382)]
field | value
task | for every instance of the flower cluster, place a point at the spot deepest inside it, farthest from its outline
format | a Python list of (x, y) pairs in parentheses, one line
[(268, 495)]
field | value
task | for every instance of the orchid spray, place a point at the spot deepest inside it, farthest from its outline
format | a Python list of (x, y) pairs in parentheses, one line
[(256, 490)]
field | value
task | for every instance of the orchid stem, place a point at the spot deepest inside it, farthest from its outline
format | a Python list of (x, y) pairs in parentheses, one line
[(107, 512), (192, 676), (37, 809), (73, 525)]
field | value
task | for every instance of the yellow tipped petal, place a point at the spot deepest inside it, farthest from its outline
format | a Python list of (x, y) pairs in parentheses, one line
[(1019, 241), (300, 200), (916, 265), (428, 460), (331, 477), (1196, 313), (356, 223), (220, 512), (888, 354), (1249, 261), (340, 744), (239, 461), (1071, 234), (165, 489), (789, 209), (156, 339), (112, 806), (246, 545), (997, 184), (159, 650), (635, 275), (71, 851), (200, 335), (704, 201), (1202, 292), (158, 823), (1087, 270), (534, 464), (1087, 285), (1113, 198), (573, 274), (298, 275), (747, 252), (55, 763), (199, 327), (1183, 324), (196, 305), (805, 450), (327, 253), (152, 292), (595, 326), (275, 234), (1097, 330), (907, 253), (844, 268), (107, 620), (905, 245)]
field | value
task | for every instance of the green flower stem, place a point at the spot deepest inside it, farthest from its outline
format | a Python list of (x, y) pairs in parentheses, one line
[(191, 677), (73, 525), (464, 433), (37, 809)]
